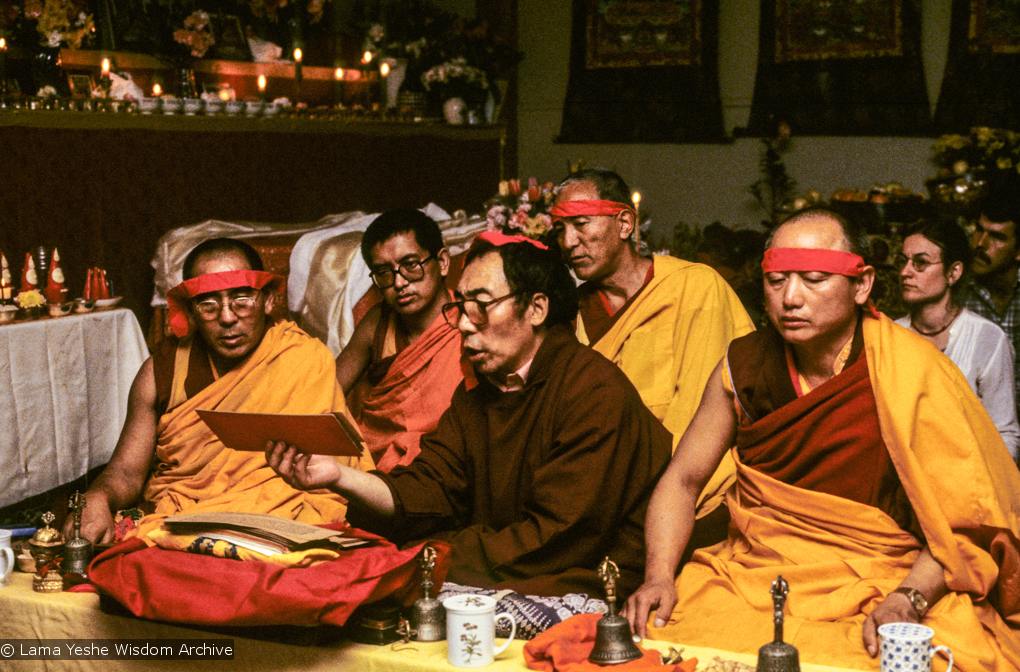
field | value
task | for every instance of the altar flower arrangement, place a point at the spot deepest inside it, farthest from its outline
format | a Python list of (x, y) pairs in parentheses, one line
[(196, 35), (983, 150), (32, 298), (521, 211), (60, 22)]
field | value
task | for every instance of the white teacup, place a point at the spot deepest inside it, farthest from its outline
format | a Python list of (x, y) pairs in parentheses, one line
[(6, 557), (471, 630), (906, 647)]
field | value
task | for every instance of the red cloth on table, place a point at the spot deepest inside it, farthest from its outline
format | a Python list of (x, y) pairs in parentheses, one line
[(196, 589), (565, 647)]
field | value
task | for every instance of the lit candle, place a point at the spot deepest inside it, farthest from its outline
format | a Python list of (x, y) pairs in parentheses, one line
[(104, 78), (384, 71), (157, 90), (366, 58), (3, 65), (636, 197), (297, 69), (224, 94), (262, 87), (338, 75)]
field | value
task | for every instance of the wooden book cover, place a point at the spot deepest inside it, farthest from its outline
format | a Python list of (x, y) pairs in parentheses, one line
[(315, 434)]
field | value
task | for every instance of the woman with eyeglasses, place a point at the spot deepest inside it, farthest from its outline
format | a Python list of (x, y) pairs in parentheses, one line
[(933, 267)]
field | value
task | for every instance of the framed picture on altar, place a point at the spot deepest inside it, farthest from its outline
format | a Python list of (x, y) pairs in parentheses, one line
[(81, 84), (231, 42)]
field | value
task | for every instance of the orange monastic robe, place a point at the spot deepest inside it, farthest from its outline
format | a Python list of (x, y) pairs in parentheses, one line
[(414, 392), (843, 557), (289, 372)]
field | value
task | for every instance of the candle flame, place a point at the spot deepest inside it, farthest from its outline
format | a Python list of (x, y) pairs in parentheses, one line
[(3, 44), (224, 95), (156, 90), (297, 54), (262, 82), (366, 57), (384, 69), (106, 66), (636, 197), (339, 74)]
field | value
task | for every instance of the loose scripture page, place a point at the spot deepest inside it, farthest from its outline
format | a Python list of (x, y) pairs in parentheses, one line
[(320, 434)]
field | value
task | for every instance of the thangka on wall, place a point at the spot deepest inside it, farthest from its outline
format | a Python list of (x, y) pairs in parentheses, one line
[(980, 84), (841, 67), (643, 71)]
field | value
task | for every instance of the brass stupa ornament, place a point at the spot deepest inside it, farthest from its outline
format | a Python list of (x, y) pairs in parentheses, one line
[(428, 618), (614, 643), (777, 655), (47, 547)]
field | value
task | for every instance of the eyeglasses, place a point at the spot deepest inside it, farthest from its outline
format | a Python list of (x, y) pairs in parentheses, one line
[(476, 311), (241, 306), (918, 262), (411, 271)]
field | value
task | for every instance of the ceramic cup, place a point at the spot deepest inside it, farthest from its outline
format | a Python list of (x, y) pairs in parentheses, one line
[(6, 557), (906, 647), (471, 630)]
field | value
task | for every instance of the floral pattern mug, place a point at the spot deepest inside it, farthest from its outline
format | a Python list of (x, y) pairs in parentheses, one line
[(470, 630)]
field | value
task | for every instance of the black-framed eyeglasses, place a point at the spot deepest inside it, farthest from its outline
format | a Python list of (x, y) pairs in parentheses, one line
[(242, 306), (919, 263), (412, 271), (476, 311)]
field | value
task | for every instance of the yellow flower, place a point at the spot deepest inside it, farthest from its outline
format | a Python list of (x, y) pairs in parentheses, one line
[(537, 226), (504, 188), (955, 141), (960, 167), (30, 299), (1004, 163)]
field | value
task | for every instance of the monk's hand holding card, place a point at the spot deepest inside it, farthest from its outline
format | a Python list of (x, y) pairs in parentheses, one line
[(300, 470)]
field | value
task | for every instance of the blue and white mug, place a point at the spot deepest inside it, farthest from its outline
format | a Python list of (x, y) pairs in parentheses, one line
[(906, 647)]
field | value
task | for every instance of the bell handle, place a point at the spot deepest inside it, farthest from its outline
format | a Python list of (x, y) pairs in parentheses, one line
[(513, 631)]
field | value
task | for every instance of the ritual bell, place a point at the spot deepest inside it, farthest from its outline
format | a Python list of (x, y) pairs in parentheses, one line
[(614, 643), (777, 655), (77, 550), (47, 548), (428, 618)]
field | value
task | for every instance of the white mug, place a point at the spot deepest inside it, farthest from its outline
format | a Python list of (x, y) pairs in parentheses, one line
[(906, 647), (7, 553), (471, 630)]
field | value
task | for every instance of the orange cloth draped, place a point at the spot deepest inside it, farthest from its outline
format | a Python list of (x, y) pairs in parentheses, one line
[(289, 372), (408, 401), (842, 558), (668, 342)]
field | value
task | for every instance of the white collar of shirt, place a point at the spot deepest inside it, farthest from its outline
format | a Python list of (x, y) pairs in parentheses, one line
[(516, 380)]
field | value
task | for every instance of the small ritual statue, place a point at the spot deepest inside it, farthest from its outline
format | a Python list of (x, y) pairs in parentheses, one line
[(47, 548), (777, 655), (77, 550), (614, 643), (428, 617)]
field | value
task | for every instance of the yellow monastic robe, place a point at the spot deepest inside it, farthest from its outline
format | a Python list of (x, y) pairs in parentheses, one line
[(289, 372), (668, 342), (842, 558)]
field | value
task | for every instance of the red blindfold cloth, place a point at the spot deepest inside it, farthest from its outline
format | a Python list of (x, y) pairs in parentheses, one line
[(497, 238), (803, 260), (591, 208), (178, 297)]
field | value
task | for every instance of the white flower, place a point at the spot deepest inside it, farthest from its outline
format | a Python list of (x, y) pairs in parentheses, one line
[(54, 38), (46, 92), (376, 32)]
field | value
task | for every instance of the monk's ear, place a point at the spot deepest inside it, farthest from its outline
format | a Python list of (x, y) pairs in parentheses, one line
[(625, 221), (269, 302), (538, 309), (444, 262), (863, 284)]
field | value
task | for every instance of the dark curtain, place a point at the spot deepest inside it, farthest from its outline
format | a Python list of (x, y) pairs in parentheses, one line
[(643, 72), (841, 67), (982, 82)]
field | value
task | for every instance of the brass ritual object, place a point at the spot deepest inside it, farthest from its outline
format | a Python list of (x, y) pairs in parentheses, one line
[(614, 643), (77, 550), (777, 655), (428, 618), (47, 547)]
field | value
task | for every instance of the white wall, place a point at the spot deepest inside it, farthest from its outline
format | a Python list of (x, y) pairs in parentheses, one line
[(699, 184)]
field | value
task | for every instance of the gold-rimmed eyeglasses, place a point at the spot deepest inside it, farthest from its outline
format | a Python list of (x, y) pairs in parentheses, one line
[(412, 271), (242, 306), (919, 263)]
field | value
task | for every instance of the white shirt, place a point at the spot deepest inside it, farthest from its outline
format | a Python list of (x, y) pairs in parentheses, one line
[(985, 356)]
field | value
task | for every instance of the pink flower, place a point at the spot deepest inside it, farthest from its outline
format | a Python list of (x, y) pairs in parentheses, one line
[(515, 187), (519, 221), (495, 217)]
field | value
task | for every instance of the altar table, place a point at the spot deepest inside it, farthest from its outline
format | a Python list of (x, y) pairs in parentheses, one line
[(34, 616), (64, 386)]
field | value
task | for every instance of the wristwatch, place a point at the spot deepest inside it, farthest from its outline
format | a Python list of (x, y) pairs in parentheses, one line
[(917, 599)]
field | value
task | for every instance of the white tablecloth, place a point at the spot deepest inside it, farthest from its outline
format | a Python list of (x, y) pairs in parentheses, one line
[(64, 386)]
